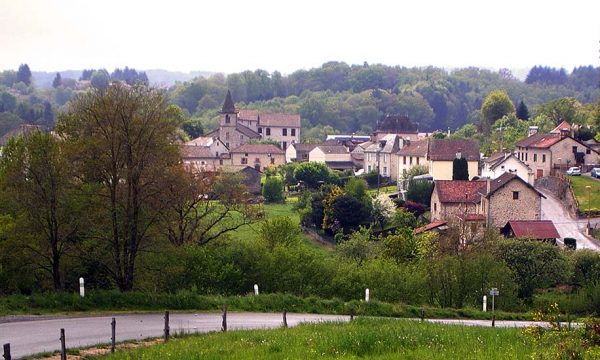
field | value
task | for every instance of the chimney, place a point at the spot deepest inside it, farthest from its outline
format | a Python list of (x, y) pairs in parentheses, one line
[(532, 131), (488, 185), (564, 132)]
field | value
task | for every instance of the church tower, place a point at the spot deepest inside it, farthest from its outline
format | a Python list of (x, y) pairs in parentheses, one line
[(227, 128)]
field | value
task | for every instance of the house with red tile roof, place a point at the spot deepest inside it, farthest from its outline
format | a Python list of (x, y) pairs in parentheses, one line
[(501, 162), (545, 153)]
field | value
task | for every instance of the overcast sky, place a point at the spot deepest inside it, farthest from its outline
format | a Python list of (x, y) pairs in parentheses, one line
[(230, 35)]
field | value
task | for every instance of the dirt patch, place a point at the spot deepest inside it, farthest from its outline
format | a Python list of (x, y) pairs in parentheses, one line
[(92, 352)]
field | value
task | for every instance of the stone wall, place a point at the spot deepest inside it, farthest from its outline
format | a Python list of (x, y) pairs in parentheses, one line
[(503, 206), (561, 189)]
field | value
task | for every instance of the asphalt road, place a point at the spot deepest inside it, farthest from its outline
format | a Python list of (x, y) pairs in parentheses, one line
[(552, 209), (29, 336)]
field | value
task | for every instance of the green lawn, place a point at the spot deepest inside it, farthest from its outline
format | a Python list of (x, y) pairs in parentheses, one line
[(364, 338), (586, 198), (384, 190), (275, 210)]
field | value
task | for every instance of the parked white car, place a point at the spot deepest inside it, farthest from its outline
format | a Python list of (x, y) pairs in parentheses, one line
[(574, 171)]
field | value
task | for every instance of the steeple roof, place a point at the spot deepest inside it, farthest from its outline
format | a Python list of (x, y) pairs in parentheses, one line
[(228, 105)]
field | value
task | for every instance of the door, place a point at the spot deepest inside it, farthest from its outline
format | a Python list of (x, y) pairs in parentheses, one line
[(539, 173)]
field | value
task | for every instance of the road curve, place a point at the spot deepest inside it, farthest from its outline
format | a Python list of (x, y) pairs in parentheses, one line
[(35, 336)]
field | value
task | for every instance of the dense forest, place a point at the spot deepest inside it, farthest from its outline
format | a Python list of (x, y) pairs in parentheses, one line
[(333, 98)]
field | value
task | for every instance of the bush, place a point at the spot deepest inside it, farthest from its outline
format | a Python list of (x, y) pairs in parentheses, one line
[(419, 191), (273, 189)]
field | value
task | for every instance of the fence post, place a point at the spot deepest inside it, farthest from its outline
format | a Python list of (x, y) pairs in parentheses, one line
[(351, 315), (493, 320), (7, 352), (113, 339), (422, 315), (285, 324), (63, 346), (224, 325), (167, 329)]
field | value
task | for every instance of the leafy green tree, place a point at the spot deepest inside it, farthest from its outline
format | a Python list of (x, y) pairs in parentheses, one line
[(312, 174), (100, 80), (121, 141), (8, 121), (460, 169), (564, 109), (522, 111), (358, 189), (439, 135), (57, 81), (273, 189), (8, 102), (420, 191), (24, 74), (359, 247), (37, 185), (401, 246), (584, 134), (280, 231), (535, 265), (404, 219), (496, 105), (193, 127), (348, 212)]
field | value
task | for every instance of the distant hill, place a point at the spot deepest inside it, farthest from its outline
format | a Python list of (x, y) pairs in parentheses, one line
[(159, 77)]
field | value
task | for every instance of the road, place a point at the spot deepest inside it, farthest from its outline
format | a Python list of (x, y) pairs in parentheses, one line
[(31, 336), (34, 336), (552, 209)]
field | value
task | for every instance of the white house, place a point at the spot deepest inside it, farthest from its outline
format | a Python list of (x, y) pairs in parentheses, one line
[(500, 163)]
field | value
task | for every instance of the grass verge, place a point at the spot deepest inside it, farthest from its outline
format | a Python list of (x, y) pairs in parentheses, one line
[(114, 301), (363, 338), (587, 198)]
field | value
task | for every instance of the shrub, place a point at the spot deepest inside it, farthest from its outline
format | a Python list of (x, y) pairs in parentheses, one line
[(273, 189), (419, 191)]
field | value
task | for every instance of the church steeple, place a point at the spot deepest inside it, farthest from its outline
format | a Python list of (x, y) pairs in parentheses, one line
[(228, 105)]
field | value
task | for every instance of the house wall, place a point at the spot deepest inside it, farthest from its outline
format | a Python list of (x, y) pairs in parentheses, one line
[(254, 160), (277, 135), (539, 160), (388, 164), (205, 164), (405, 162), (509, 165), (442, 170), (448, 211), (502, 207)]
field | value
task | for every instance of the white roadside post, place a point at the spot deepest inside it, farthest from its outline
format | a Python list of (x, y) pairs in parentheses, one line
[(484, 303), (255, 289), (81, 287), (367, 295)]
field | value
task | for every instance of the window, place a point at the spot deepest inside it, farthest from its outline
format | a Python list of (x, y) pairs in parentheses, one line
[(588, 151), (293, 132), (385, 170), (241, 137), (246, 154), (284, 145), (534, 157), (227, 135), (369, 157), (244, 161), (410, 160), (220, 161), (526, 157), (543, 157), (369, 168), (227, 144), (574, 149), (268, 131), (502, 167), (256, 160), (305, 156), (284, 132), (434, 207), (260, 130), (227, 120), (384, 158), (404, 160), (417, 160), (515, 195)]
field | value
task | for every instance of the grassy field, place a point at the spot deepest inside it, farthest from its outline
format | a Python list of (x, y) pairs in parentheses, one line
[(363, 338), (586, 198), (275, 210)]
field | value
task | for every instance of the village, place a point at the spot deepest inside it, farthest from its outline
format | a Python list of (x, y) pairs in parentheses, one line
[(518, 193)]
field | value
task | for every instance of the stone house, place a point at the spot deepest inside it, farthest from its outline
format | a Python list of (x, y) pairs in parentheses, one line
[(544, 153), (252, 180), (451, 198), (298, 152), (508, 197), (442, 152), (500, 163), (202, 158), (258, 156), (381, 155)]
